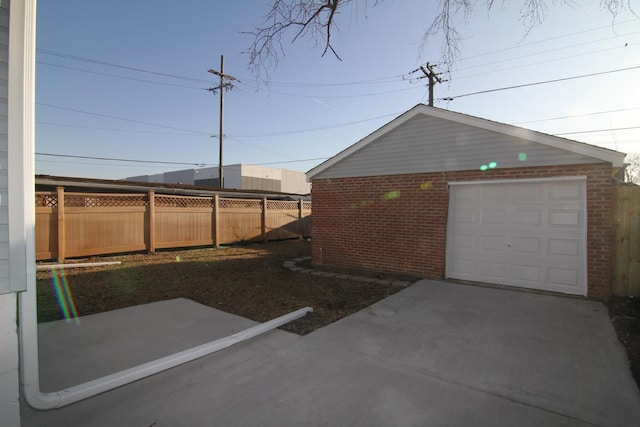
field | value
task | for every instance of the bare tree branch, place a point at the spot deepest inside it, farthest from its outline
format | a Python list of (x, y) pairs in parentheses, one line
[(309, 18), (316, 19), (632, 169)]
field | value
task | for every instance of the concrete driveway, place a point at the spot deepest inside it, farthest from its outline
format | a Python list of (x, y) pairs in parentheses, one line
[(434, 354)]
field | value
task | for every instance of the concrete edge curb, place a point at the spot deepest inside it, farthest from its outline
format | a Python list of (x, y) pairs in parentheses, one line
[(292, 266)]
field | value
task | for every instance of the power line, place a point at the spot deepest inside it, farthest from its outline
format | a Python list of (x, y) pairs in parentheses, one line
[(520, 46), (451, 98), (598, 130), (111, 64), (121, 118), (169, 163), (249, 135), (113, 129), (112, 159), (117, 76), (549, 51), (577, 115)]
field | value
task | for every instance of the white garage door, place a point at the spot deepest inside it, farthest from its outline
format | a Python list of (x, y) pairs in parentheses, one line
[(527, 233)]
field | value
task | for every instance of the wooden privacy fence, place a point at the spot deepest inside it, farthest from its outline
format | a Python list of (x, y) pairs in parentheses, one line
[(81, 224), (626, 230)]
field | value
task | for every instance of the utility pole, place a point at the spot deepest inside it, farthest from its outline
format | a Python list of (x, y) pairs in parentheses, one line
[(433, 79), (222, 87)]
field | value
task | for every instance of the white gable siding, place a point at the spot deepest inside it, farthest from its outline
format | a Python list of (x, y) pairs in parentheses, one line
[(431, 144)]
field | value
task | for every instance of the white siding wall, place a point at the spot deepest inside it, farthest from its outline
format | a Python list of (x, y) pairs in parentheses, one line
[(9, 361), (4, 213), (9, 390), (429, 144)]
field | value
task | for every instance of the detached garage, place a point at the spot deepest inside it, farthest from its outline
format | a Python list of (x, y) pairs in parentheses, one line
[(438, 194)]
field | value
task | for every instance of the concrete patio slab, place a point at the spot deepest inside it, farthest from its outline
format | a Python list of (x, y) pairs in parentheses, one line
[(433, 354)]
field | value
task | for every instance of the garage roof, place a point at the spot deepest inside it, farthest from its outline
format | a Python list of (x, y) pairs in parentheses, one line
[(428, 139)]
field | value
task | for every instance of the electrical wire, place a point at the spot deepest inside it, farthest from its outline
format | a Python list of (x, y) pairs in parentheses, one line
[(111, 64), (597, 130), (120, 160), (200, 165), (577, 115), (117, 76), (113, 129), (121, 118), (451, 98)]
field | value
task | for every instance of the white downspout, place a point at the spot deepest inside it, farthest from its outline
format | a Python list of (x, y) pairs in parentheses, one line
[(21, 213), (57, 399)]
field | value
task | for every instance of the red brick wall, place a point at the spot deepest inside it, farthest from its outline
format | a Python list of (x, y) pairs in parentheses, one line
[(398, 223)]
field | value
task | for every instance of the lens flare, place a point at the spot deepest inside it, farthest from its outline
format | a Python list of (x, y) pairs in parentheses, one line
[(63, 294), (522, 157), (492, 165), (426, 185), (395, 194), (484, 167)]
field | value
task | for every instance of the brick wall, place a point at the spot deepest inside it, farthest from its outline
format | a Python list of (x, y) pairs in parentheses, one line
[(398, 223)]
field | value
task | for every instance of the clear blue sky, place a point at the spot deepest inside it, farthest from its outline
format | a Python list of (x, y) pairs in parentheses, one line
[(314, 107)]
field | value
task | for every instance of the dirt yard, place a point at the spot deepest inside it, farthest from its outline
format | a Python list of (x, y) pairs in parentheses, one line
[(250, 281), (245, 280)]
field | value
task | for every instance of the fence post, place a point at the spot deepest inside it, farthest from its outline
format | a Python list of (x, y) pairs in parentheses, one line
[(300, 222), (264, 220), (152, 222), (62, 235), (216, 220)]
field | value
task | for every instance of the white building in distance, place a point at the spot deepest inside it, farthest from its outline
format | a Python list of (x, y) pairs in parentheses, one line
[(237, 176)]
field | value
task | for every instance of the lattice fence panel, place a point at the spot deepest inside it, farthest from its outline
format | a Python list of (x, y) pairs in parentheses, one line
[(80, 200), (281, 205), (183, 202), (306, 206), (240, 204), (46, 200)]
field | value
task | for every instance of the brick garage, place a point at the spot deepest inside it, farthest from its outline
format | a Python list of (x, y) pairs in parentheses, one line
[(367, 214)]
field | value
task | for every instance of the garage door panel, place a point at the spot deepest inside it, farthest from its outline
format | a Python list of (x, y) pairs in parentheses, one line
[(493, 243), (525, 274), (464, 216), (567, 191), (465, 194), (495, 270), (564, 280), (529, 234), (463, 242), (464, 269), (564, 218), (525, 192), (528, 216), (570, 247), (493, 216), (528, 245), (492, 193)]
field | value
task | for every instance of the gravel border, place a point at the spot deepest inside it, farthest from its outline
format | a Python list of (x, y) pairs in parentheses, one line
[(292, 265)]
